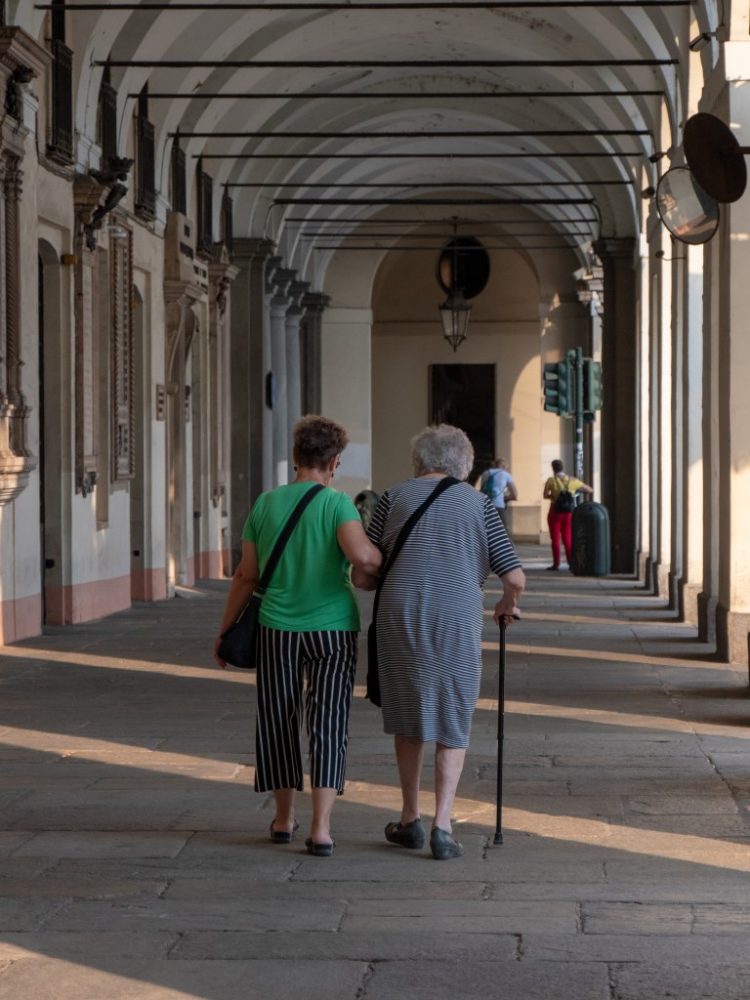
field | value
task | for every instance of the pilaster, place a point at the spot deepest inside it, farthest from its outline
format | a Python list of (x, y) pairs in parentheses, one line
[(250, 442), (619, 419), (314, 304)]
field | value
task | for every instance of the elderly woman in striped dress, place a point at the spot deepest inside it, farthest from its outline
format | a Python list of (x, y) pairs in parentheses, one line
[(429, 623)]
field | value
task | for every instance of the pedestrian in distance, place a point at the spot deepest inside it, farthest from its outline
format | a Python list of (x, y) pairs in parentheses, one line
[(429, 622), (561, 491), (308, 628), (499, 486)]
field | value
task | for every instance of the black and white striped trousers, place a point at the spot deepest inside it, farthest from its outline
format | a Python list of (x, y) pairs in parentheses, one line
[(314, 670)]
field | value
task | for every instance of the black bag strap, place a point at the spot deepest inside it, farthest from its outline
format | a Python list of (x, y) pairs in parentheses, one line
[(441, 487), (286, 533)]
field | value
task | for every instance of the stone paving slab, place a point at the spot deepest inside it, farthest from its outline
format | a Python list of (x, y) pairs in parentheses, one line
[(75, 946), (47, 979), (671, 950), (509, 980), (694, 981), (378, 944)]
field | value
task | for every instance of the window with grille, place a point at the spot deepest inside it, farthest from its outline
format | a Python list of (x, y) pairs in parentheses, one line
[(179, 179), (60, 145), (227, 231), (205, 206), (107, 120), (145, 193)]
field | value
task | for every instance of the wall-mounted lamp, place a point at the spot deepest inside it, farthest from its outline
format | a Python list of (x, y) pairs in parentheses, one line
[(699, 43), (661, 255), (117, 232)]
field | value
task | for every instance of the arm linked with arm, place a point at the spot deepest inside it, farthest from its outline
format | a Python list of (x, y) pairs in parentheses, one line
[(365, 558)]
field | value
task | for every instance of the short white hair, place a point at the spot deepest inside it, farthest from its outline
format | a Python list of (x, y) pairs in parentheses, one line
[(442, 448)]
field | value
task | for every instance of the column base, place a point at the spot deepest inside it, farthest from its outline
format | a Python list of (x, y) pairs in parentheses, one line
[(732, 635), (648, 574), (660, 579), (689, 595), (674, 592), (707, 617)]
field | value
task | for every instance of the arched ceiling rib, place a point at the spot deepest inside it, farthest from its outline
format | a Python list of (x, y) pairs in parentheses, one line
[(603, 34)]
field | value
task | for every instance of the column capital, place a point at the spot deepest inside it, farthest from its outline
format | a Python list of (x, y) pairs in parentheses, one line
[(621, 247), (315, 302), (296, 292), (247, 248)]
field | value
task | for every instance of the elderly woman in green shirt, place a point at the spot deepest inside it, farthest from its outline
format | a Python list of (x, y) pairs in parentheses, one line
[(309, 621)]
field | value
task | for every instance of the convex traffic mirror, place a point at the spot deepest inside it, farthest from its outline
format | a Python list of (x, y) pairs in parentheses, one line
[(690, 215)]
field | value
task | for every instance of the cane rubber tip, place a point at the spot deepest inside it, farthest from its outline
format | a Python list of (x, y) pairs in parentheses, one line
[(498, 839)]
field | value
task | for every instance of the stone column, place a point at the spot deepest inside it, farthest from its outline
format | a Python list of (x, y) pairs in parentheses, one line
[(282, 279), (692, 463), (294, 315), (619, 418), (249, 435), (313, 303), (731, 253), (662, 390)]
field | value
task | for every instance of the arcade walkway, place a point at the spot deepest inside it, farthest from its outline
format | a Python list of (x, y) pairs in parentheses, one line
[(134, 862)]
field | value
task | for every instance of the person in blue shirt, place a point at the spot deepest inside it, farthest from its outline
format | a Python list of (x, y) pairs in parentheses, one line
[(498, 484)]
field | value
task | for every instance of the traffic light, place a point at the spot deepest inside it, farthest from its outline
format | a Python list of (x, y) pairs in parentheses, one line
[(559, 388), (592, 385)]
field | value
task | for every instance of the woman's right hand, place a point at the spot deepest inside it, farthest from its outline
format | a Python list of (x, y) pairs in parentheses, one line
[(217, 643)]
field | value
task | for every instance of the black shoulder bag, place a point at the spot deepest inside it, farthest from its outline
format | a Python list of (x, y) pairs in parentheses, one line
[(373, 674), (238, 645)]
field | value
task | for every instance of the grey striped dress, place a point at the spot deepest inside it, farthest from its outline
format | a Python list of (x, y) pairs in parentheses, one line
[(429, 623)]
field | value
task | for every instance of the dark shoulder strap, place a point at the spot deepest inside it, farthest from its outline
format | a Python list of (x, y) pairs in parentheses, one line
[(441, 487), (286, 532)]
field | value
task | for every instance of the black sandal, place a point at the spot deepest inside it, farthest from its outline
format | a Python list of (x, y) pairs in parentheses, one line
[(406, 834), (319, 850), (283, 836)]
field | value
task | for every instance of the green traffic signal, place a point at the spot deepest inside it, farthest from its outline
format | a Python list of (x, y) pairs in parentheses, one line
[(559, 388), (592, 386)]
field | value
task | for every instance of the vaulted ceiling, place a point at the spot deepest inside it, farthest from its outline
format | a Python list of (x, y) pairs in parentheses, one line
[(554, 105)]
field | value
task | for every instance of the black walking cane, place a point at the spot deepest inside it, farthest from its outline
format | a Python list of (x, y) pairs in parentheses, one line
[(500, 737)]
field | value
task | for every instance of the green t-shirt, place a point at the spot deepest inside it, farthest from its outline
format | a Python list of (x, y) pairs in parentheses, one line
[(310, 589)]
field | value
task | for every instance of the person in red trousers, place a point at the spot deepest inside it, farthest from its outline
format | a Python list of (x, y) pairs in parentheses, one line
[(560, 519)]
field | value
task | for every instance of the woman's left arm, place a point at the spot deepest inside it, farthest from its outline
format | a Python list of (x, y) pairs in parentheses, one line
[(244, 582), (506, 609)]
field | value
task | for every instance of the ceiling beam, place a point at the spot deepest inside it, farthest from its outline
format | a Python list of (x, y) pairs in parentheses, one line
[(377, 63), (305, 234), (434, 201), (473, 223), (375, 246), (353, 95), (501, 134), (530, 155), (201, 7), (428, 185)]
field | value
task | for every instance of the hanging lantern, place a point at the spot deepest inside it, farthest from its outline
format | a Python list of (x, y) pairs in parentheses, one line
[(462, 272), (454, 313)]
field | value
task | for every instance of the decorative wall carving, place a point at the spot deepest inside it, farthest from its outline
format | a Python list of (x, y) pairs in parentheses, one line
[(221, 275), (21, 58), (88, 317), (123, 375)]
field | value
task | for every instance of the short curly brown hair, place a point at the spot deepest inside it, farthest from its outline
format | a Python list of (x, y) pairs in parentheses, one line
[(317, 440)]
